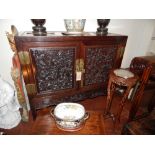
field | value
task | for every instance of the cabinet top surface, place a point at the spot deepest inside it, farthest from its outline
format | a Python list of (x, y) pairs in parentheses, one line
[(62, 36), (65, 34)]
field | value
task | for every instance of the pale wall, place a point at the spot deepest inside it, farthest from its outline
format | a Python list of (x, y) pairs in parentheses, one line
[(139, 37)]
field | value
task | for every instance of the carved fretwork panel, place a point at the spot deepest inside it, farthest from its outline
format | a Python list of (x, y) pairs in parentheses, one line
[(54, 68), (97, 64)]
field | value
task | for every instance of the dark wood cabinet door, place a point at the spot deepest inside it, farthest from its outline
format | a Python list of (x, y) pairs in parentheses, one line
[(98, 62), (54, 68)]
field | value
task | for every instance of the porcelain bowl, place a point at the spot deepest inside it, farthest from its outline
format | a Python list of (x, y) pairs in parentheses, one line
[(69, 116)]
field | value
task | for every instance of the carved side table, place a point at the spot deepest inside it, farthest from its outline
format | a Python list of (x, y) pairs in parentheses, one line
[(121, 78)]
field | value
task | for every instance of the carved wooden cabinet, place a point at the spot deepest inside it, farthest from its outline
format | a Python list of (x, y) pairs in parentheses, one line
[(70, 68)]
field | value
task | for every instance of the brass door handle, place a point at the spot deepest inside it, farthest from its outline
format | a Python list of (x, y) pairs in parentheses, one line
[(80, 70), (121, 49)]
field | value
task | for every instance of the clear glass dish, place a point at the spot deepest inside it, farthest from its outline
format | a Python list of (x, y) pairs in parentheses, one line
[(74, 25)]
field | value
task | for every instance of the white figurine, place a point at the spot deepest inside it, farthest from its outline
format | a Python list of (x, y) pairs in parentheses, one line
[(9, 108)]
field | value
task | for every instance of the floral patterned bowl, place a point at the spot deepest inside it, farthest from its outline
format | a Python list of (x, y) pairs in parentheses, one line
[(69, 116)]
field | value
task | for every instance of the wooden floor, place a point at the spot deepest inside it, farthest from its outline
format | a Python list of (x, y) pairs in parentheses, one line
[(43, 124)]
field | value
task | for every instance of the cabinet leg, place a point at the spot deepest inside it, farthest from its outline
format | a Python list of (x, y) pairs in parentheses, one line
[(34, 112), (151, 105)]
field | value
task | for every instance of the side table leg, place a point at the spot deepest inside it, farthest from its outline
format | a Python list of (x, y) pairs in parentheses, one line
[(111, 90), (136, 103), (122, 103)]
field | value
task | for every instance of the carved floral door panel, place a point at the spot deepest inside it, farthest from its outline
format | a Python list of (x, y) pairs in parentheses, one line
[(54, 68), (98, 61)]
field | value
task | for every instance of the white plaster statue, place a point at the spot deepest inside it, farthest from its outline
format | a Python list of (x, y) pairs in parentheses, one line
[(9, 108)]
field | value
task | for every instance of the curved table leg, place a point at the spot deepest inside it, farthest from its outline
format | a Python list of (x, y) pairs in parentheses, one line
[(111, 90), (122, 103)]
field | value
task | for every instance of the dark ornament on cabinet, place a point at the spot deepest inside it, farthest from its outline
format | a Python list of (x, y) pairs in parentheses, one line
[(103, 23), (38, 29)]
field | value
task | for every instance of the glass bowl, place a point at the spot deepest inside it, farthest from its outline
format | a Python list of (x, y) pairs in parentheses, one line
[(74, 25)]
